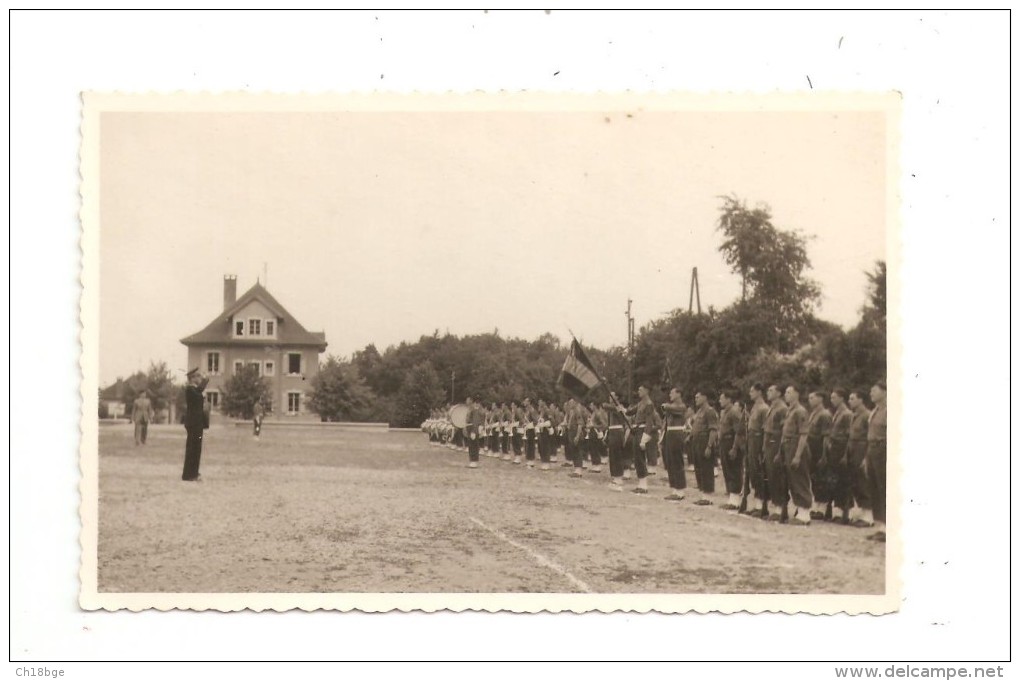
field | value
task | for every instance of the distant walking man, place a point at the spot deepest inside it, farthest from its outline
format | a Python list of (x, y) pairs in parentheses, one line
[(141, 414), (876, 459), (194, 423), (257, 416)]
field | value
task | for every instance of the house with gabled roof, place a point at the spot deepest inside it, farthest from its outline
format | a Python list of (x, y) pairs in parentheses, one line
[(256, 330)]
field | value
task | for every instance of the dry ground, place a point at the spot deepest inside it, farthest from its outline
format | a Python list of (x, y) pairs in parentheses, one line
[(329, 511)]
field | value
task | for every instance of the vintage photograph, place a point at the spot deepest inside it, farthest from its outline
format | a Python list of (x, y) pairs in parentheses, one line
[(492, 352)]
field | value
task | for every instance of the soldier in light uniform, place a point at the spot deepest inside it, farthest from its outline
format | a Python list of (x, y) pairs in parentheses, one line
[(876, 458), (755, 500), (857, 451), (704, 439), (775, 469), (797, 458), (731, 454), (673, 442)]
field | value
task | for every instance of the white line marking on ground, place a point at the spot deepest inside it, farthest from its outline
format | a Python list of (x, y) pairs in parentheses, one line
[(538, 557)]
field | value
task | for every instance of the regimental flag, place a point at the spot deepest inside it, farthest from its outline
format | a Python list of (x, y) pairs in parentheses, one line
[(578, 374)]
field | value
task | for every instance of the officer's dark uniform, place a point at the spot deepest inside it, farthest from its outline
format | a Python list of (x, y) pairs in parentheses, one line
[(194, 424)]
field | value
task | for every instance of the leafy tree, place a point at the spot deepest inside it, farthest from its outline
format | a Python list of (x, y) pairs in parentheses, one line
[(339, 393), (160, 385), (243, 391), (420, 393), (771, 263)]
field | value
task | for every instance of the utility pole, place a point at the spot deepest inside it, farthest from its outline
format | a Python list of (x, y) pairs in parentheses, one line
[(695, 292), (630, 351)]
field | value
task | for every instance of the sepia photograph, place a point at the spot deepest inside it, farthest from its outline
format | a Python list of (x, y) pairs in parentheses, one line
[(499, 352)]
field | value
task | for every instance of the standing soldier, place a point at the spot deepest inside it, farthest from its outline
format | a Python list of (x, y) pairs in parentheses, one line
[(516, 432), (876, 459), (542, 428), (652, 452), (596, 436), (821, 470), (475, 424), (194, 424), (755, 489), (775, 470), (837, 450), (573, 430), (731, 457), (672, 444), (644, 417), (504, 432), (141, 414), (530, 420), (615, 429), (704, 438), (857, 450), (797, 458)]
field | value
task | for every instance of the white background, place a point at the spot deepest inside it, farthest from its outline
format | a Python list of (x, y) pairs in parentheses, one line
[(953, 71)]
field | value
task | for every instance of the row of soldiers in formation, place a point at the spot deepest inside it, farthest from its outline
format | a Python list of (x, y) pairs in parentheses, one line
[(774, 452)]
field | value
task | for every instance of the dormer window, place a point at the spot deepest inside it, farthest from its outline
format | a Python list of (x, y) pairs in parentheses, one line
[(239, 327), (254, 327), (270, 327)]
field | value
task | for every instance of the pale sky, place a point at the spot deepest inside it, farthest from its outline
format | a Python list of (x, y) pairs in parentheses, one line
[(382, 227)]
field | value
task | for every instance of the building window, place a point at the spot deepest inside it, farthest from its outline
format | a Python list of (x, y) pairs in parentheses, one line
[(212, 363), (267, 403), (239, 327), (293, 403), (238, 366), (213, 398), (270, 368), (270, 327), (258, 367), (254, 327), (293, 363)]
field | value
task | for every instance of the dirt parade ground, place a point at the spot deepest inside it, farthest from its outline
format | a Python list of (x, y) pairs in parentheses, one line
[(329, 510)]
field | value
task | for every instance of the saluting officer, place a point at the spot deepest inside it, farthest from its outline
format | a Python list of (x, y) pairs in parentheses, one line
[(194, 423)]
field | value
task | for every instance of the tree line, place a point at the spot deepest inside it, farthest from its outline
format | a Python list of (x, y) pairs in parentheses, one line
[(770, 334)]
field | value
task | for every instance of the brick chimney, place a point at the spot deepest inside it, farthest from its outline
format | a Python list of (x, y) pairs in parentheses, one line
[(229, 290)]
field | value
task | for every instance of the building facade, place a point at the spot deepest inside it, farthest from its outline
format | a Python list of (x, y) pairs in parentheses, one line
[(256, 330)]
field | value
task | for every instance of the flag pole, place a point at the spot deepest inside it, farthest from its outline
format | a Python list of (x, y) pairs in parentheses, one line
[(602, 382)]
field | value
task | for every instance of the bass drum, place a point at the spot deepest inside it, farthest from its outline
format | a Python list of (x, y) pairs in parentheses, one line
[(459, 415)]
